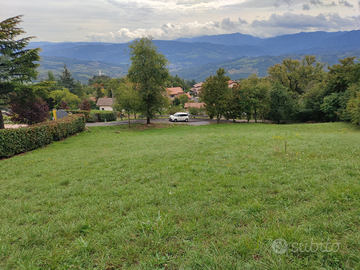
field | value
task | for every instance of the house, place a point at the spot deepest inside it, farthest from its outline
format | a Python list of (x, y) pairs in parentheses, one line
[(174, 92), (188, 95), (232, 84), (196, 88), (105, 104), (194, 105)]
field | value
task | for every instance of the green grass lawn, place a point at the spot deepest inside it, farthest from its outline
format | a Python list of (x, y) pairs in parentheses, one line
[(185, 197)]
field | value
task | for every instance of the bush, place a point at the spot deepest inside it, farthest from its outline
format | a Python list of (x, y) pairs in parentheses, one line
[(29, 112), (89, 117), (16, 141), (174, 109), (85, 105), (100, 116)]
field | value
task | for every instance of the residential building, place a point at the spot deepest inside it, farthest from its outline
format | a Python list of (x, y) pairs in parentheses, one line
[(105, 104)]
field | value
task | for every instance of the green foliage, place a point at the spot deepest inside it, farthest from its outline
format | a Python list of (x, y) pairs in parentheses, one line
[(281, 104), (215, 93), (196, 111), (174, 109), (183, 99), (255, 95), (127, 98), (176, 101), (89, 117), (296, 75), (353, 106), (17, 64), (65, 95), (149, 74), (101, 116), (20, 140)]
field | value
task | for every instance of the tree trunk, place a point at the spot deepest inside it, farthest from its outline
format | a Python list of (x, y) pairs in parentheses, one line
[(255, 116), (148, 120), (129, 118), (2, 126)]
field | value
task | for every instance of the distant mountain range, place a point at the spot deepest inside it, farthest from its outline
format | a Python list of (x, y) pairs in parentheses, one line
[(198, 57)]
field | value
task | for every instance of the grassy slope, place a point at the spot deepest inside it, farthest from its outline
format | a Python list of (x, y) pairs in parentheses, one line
[(184, 197)]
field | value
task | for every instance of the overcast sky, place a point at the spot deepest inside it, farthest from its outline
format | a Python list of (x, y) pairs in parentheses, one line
[(124, 20)]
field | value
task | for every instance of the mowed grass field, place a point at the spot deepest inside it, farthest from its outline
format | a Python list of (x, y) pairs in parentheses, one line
[(185, 197)]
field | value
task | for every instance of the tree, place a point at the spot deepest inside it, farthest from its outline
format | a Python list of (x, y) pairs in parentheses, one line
[(128, 99), (149, 74), (85, 105), (29, 112), (296, 75), (63, 105), (176, 101), (281, 104), (215, 93), (65, 95), (67, 81), (17, 64), (353, 106), (183, 99), (255, 95)]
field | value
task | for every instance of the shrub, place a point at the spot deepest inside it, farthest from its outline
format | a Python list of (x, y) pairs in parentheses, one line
[(63, 105), (15, 141), (100, 116), (174, 109), (29, 112), (85, 105), (89, 117)]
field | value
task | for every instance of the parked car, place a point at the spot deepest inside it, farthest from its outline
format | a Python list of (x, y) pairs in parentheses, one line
[(179, 116)]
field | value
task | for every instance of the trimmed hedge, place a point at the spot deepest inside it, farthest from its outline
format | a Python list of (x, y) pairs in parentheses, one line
[(20, 140), (100, 116), (89, 117)]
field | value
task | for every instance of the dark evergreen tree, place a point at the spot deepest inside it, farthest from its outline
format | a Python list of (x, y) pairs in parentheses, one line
[(17, 64)]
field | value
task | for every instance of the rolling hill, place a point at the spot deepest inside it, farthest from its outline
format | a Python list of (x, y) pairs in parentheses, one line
[(197, 58)]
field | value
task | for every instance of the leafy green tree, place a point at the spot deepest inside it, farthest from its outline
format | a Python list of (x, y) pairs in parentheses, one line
[(149, 74), (281, 104), (65, 95), (127, 97), (17, 64), (215, 93), (295, 74), (176, 101), (183, 99), (353, 105), (255, 95), (235, 103)]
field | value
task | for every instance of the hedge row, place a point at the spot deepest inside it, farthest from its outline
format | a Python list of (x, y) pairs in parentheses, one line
[(101, 116), (89, 117), (20, 140), (96, 115)]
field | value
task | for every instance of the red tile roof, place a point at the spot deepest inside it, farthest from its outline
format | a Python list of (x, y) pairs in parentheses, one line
[(175, 91)]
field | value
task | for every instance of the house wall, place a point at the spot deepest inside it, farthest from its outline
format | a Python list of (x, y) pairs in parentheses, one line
[(105, 108)]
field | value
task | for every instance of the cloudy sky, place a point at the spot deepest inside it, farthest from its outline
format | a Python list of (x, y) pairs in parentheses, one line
[(124, 20)]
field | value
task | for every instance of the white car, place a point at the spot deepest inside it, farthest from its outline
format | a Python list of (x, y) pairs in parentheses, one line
[(179, 116)]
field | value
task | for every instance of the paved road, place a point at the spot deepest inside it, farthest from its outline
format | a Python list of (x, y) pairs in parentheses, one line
[(192, 122)]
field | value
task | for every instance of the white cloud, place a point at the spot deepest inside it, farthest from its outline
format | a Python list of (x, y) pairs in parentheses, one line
[(275, 25)]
